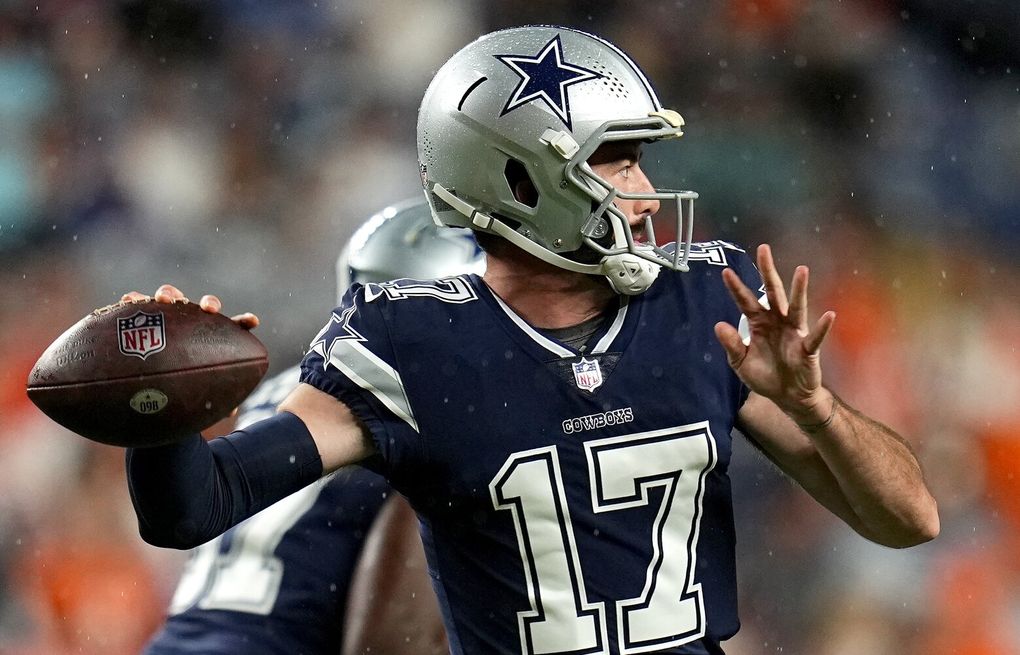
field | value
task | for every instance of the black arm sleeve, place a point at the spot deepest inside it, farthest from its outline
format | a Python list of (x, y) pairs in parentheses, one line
[(190, 491)]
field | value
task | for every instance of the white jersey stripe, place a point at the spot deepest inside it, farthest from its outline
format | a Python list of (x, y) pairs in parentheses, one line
[(374, 375), (540, 339), (614, 329)]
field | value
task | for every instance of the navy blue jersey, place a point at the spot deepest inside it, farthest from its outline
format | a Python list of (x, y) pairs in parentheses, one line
[(571, 502), (277, 583)]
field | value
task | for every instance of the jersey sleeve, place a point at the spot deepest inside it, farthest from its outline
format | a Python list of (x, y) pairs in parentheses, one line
[(352, 359)]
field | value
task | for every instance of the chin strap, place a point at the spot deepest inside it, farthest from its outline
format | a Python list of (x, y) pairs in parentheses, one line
[(629, 275)]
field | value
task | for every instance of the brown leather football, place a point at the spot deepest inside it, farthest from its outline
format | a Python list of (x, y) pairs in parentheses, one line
[(143, 373)]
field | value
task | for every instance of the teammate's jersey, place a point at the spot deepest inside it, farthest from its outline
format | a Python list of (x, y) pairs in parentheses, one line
[(571, 502), (277, 583)]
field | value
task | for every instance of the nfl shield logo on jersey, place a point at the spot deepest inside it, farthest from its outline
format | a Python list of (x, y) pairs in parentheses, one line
[(587, 374), (141, 335)]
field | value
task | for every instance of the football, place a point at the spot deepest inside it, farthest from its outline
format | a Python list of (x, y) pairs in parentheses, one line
[(144, 373)]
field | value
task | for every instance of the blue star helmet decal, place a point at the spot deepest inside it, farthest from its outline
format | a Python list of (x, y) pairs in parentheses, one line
[(545, 77)]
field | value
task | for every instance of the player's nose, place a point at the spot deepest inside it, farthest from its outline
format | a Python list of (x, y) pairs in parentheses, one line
[(643, 207)]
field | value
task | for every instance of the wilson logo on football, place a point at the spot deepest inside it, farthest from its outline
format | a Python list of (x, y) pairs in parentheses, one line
[(141, 335)]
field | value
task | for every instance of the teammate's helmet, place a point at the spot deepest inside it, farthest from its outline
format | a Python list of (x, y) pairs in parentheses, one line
[(402, 241), (538, 101)]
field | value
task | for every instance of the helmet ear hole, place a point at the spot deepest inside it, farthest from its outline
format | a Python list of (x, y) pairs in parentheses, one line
[(520, 183)]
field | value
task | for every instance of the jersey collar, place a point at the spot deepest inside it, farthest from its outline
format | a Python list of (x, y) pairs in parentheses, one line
[(603, 338)]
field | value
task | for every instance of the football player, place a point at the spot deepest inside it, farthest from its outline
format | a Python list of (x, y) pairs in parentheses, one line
[(561, 425), (278, 583)]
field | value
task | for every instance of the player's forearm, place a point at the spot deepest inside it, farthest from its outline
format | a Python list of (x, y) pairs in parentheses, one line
[(877, 474), (186, 493)]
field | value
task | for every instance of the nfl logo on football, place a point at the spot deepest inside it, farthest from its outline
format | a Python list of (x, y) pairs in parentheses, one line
[(141, 335), (587, 374)]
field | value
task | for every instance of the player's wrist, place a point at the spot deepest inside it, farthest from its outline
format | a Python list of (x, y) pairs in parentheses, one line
[(816, 414)]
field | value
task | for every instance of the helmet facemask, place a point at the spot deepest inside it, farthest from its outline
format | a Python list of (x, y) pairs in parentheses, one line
[(608, 231)]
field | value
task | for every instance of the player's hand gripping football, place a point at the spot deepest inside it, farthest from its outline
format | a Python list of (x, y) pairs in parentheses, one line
[(168, 293), (781, 362)]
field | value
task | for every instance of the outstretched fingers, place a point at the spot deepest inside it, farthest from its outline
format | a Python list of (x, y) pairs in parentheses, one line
[(746, 301), (798, 298), (731, 342), (813, 340), (773, 282)]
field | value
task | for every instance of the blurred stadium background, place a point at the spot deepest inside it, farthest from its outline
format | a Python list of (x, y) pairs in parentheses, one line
[(231, 147)]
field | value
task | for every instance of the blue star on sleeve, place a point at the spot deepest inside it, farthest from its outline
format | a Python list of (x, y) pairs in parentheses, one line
[(344, 331)]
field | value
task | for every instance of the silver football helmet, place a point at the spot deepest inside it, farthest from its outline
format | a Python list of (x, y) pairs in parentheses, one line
[(403, 241), (539, 100)]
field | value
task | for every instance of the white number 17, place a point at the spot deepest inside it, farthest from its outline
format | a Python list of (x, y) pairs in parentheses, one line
[(670, 610)]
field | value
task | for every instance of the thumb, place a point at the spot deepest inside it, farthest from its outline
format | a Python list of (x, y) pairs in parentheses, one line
[(731, 342)]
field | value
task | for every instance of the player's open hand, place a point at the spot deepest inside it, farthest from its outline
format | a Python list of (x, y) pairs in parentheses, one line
[(781, 362), (168, 293)]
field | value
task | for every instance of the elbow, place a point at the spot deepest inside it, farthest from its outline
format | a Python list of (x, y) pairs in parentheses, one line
[(921, 528), (928, 527), (182, 536)]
